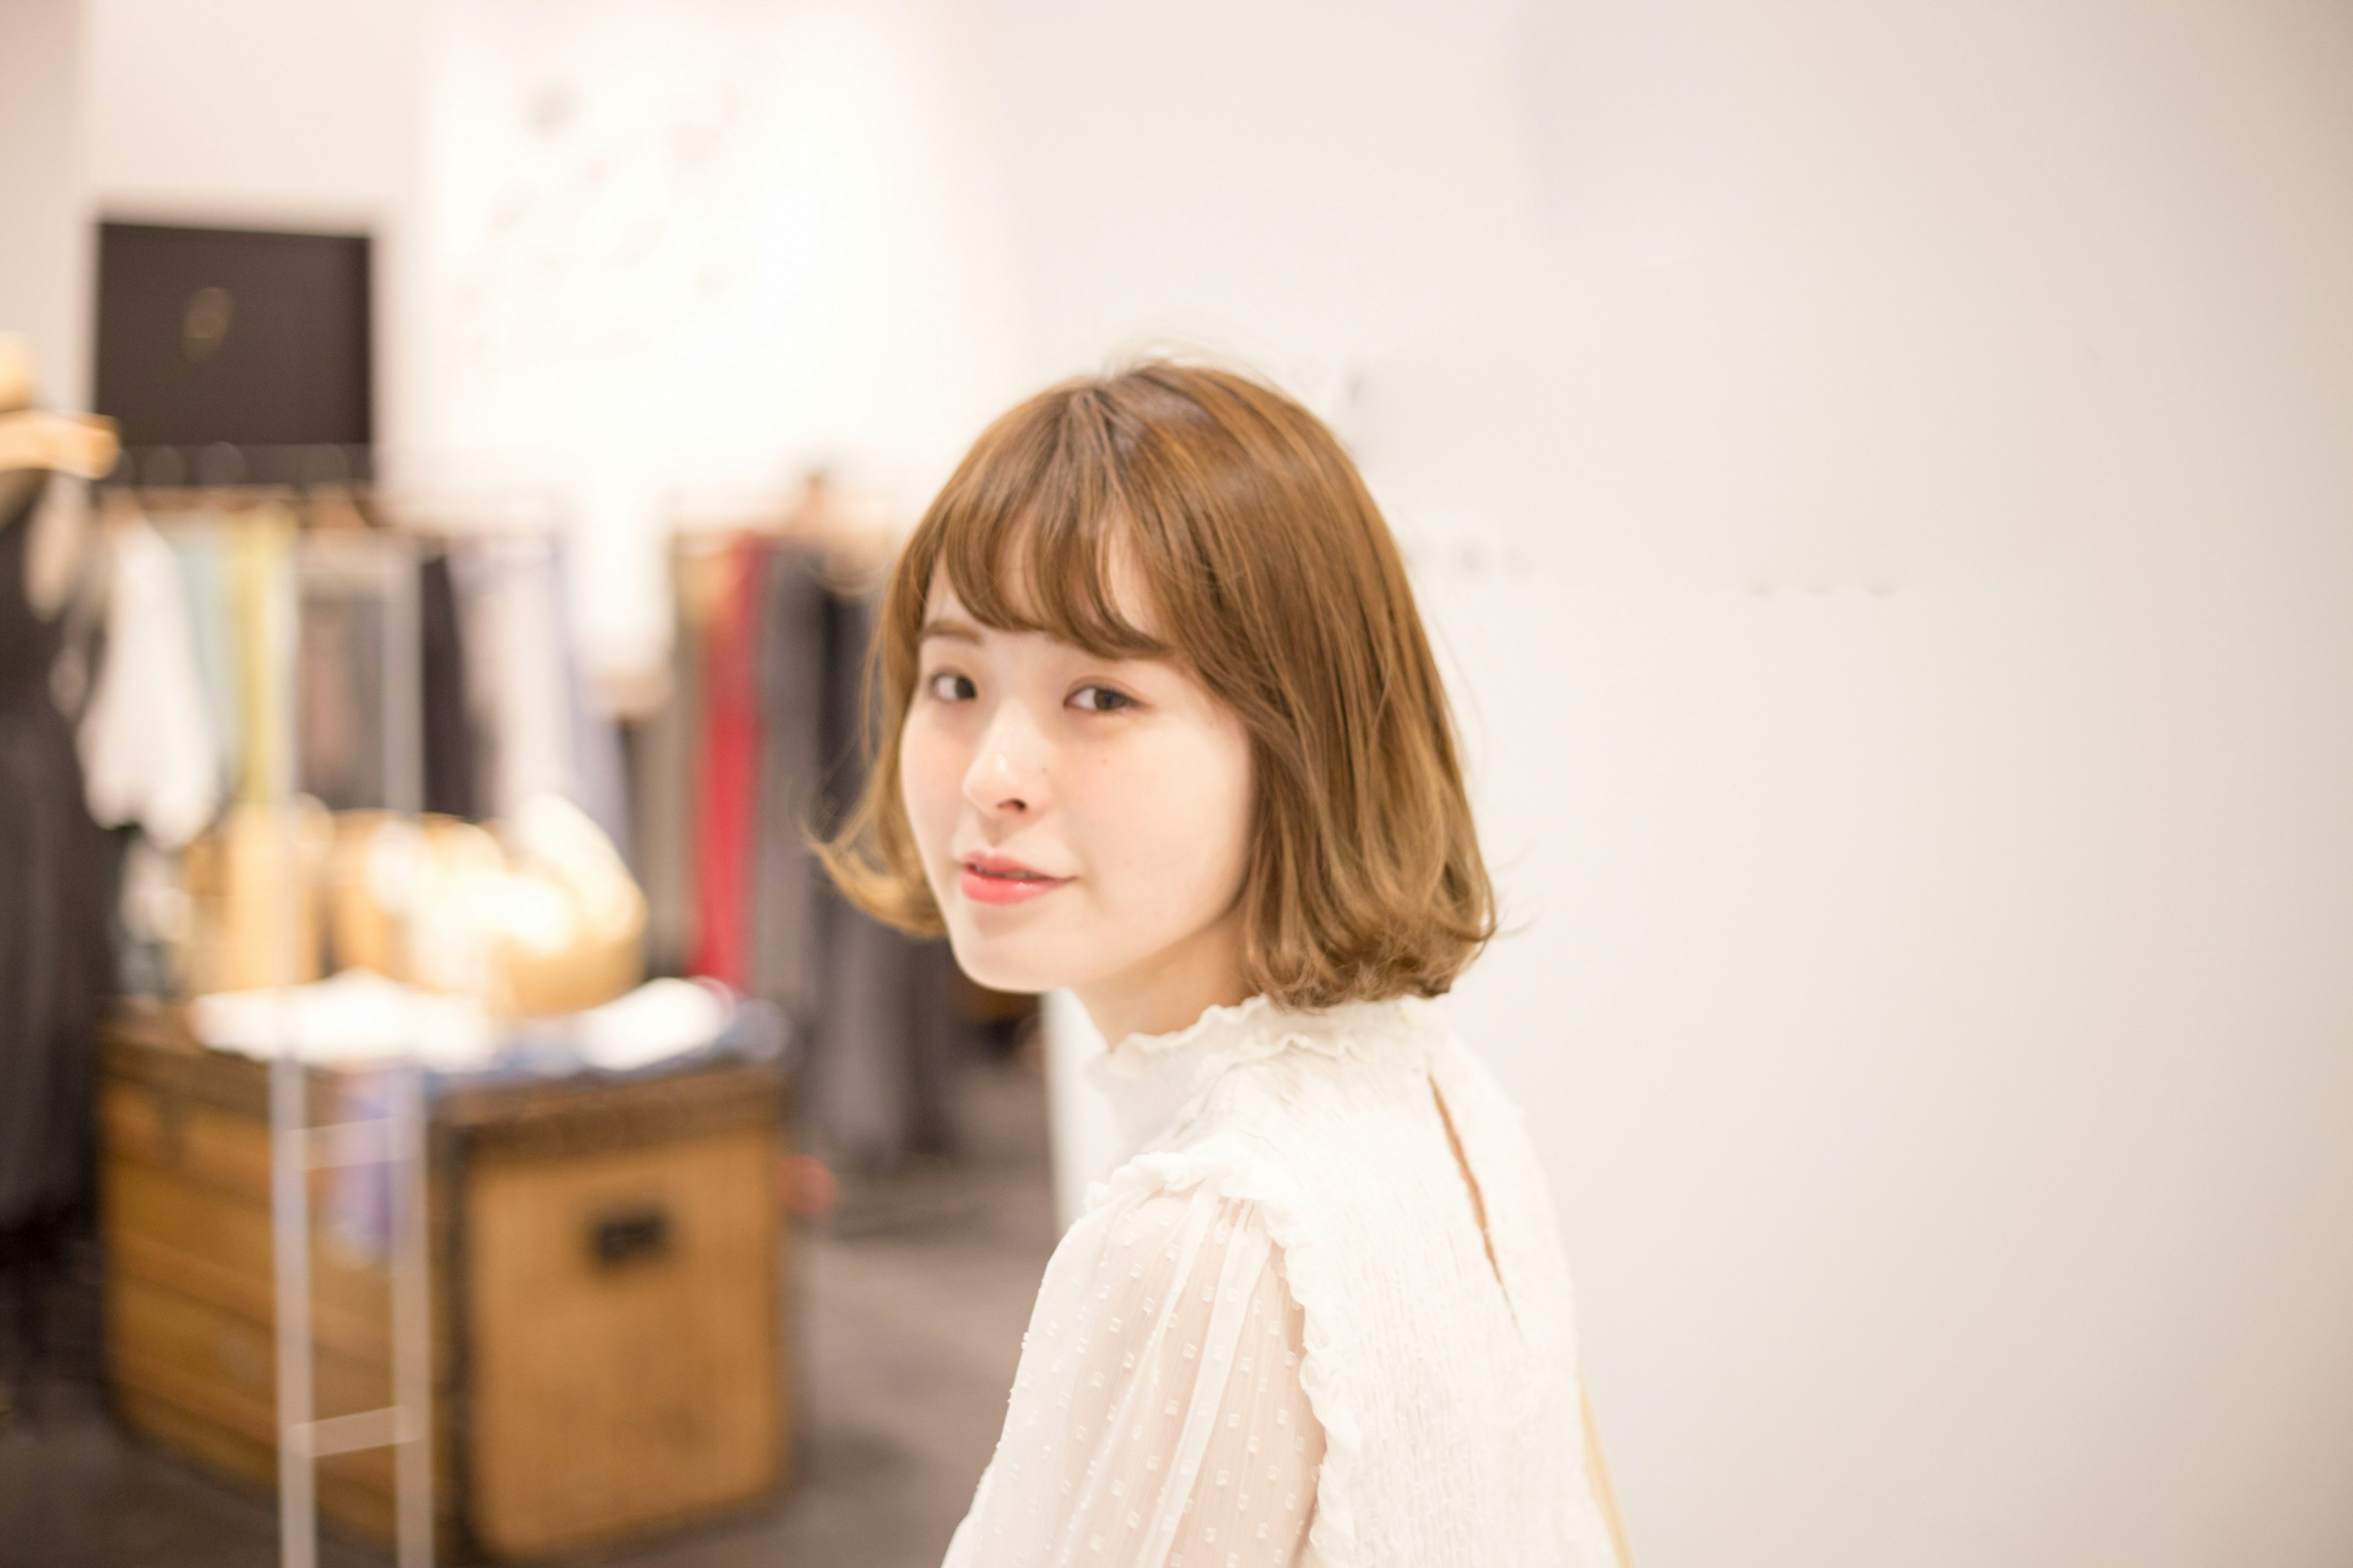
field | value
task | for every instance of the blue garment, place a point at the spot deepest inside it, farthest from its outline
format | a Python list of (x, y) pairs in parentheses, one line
[(204, 580)]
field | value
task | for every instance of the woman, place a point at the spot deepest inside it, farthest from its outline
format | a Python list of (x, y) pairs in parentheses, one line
[(1161, 726)]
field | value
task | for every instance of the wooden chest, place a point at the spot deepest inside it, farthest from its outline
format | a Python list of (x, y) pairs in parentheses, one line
[(607, 1290)]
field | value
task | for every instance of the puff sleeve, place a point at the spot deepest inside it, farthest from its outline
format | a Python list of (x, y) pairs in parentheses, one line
[(1158, 1419)]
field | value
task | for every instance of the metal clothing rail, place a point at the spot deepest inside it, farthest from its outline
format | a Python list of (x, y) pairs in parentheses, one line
[(395, 1139), (223, 465), (395, 492)]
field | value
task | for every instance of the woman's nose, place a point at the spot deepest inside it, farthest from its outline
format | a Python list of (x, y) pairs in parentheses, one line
[(1008, 771)]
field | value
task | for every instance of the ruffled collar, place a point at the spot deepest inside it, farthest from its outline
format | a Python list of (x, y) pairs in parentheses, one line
[(1153, 1081)]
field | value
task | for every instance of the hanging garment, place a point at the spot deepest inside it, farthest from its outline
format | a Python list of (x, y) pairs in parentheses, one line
[(1321, 1316), (472, 577), (199, 550), (342, 699), (885, 1042), (730, 769), (880, 1067), (795, 629), (56, 869), (450, 760), (538, 729), (600, 780), (260, 561), (510, 635), (146, 745), (668, 768), (522, 624), (662, 771)]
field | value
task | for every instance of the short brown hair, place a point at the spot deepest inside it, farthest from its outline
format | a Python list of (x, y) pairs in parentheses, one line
[(1282, 591)]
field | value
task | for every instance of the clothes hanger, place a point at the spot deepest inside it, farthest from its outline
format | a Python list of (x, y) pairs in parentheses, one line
[(80, 446), (857, 542)]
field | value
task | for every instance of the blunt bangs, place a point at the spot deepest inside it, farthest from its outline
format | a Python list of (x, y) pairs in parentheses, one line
[(1030, 535)]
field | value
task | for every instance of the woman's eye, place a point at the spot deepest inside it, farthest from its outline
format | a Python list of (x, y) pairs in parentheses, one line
[(1102, 699), (949, 687)]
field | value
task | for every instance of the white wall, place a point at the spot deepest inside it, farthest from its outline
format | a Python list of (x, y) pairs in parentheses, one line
[(45, 285), (707, 244), (1880, 476)]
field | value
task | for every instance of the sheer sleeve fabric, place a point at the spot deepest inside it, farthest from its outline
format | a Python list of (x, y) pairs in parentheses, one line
[(1158, 1419)]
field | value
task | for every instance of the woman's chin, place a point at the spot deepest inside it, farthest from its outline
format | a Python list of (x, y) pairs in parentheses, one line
[(1001, 966)]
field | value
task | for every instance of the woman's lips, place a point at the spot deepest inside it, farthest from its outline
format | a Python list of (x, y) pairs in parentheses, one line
[(984, 886)]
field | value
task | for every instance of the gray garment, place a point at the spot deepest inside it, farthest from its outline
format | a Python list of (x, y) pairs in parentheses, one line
[(893, 1042), (789, 667), (341, 700), (882, 1039), (880, 1079), (664, 747)]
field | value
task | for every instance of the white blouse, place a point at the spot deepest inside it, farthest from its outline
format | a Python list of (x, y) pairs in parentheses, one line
[(1321, 1317)]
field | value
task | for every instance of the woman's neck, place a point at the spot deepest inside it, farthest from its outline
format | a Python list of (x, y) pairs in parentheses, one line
[(1173, 988)]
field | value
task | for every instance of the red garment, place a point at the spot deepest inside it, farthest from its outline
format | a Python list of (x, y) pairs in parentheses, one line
[(729, 775)]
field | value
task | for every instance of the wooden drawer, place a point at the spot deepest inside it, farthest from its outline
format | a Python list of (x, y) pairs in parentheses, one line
[(655, 1266)]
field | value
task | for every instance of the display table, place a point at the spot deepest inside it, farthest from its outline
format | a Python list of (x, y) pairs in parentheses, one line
[(607, 1273)]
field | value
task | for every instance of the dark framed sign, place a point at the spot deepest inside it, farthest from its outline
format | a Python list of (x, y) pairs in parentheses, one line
[(248, 336)]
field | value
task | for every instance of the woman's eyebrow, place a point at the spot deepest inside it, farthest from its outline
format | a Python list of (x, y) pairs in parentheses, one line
[(961, 631)]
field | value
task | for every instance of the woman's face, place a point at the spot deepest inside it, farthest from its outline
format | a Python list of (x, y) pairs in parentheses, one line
[(1082, 821)]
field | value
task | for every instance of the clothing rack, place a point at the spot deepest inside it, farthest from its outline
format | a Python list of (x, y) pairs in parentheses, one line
[(346, 502), (383, 493), (760, 740), (395, 1138), (856, 543), (223, 465)]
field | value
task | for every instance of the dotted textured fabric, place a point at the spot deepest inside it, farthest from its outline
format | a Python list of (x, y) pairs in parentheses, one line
[(1157, 1416), (1320, 1316)]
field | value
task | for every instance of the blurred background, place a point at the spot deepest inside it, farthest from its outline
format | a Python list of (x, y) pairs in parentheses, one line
[(1880, 480)]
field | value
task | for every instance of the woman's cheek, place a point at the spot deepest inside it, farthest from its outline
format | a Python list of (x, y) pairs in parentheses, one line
[(1169, 818), (927, 783)]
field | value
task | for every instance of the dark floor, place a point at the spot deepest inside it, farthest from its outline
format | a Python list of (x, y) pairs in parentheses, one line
[(912, 1301)]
